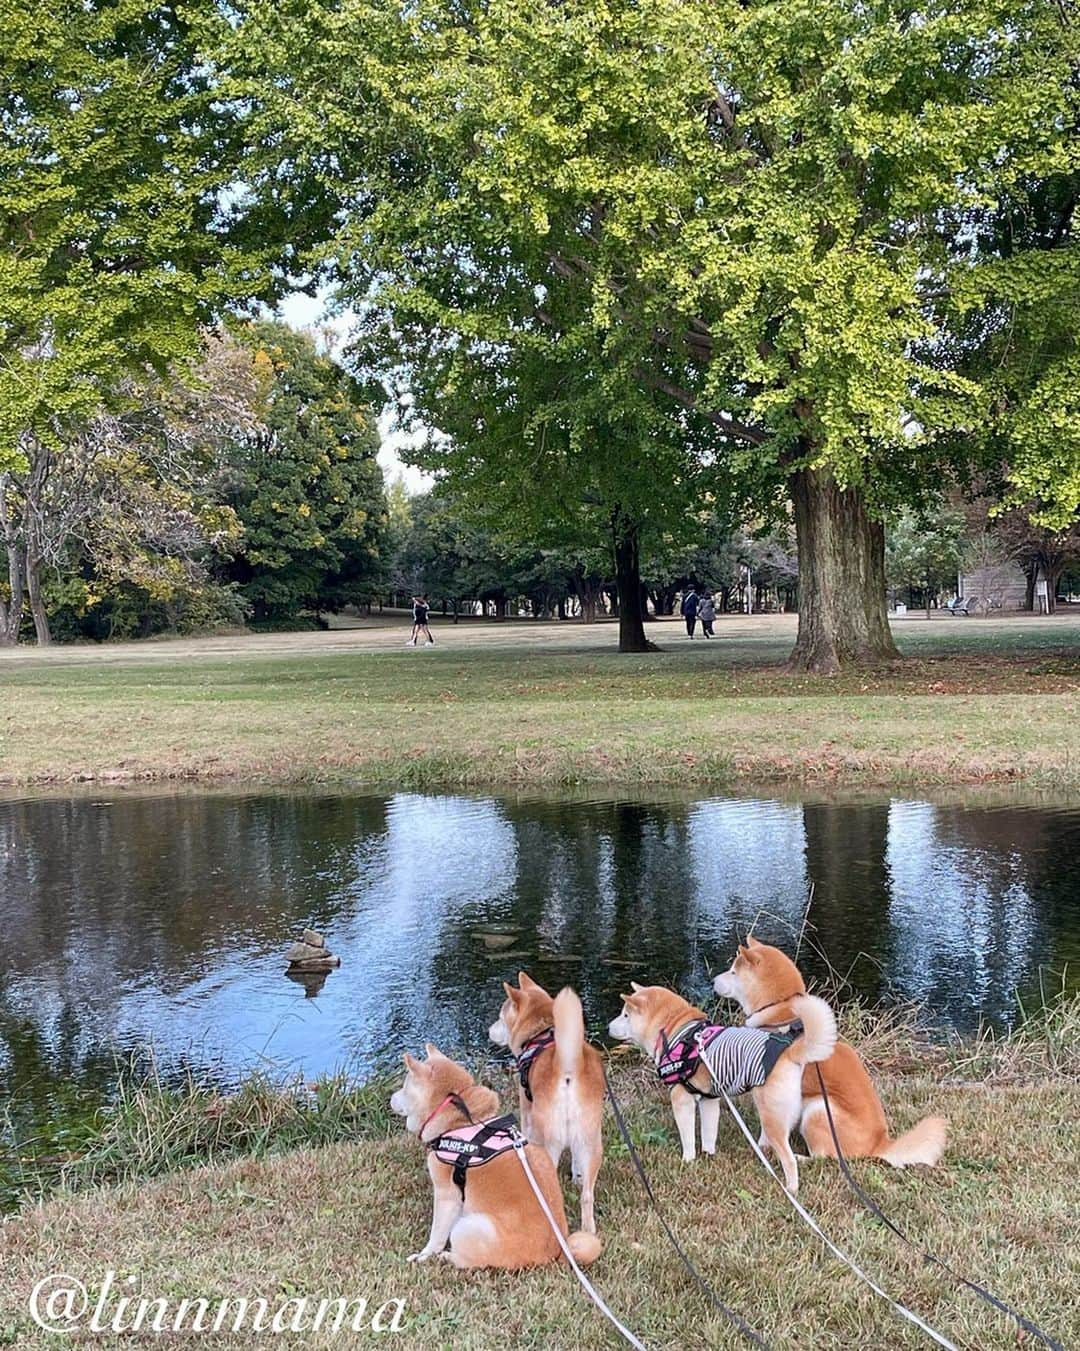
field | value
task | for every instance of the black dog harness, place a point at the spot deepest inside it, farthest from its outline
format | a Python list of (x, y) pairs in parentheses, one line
[(473, 1145), (528, 1053), (737, 1058)]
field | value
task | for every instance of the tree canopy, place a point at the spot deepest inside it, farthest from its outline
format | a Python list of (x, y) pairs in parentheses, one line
[(122, 231), (744, 231), (304, 482)]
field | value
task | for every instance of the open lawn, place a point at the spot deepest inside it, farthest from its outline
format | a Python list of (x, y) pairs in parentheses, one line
[(548, 704), (338, 1221)]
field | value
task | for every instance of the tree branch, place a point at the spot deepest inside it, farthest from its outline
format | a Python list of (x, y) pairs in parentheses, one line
[(756, 436)]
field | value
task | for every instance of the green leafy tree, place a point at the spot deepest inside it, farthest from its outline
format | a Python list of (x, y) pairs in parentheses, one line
[(543, 451), (748, 210), (449, 555), (923, 551), (1014, 320), (305, 485), (119, 237), (126, 502)]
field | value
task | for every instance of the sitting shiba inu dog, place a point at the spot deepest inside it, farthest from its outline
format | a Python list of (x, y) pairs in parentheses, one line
[(769, 986), (694, 1055), (561, 1080), (484, 1206)]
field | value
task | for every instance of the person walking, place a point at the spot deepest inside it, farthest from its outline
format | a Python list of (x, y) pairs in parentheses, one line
[(690, 611), (420, 612), (707, 613)]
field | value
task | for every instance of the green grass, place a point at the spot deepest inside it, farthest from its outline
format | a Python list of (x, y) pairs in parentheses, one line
[(544, 706), (322, 1194)]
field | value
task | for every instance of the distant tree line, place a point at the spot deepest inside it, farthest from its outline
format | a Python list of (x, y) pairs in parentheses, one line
[(242, 489), (465, 566)]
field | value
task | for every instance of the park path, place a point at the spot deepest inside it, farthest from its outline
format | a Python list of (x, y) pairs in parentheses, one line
[(387, 633)]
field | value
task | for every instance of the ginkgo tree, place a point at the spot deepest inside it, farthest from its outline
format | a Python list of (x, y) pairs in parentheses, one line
[(123, 230), (759, 213)]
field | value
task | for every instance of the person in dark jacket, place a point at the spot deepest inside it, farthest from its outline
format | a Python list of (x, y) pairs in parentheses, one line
[(690, 605), (420, 621)]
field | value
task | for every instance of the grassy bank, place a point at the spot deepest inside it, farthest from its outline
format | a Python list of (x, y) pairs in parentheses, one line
[(975, 701), (338, 1216)]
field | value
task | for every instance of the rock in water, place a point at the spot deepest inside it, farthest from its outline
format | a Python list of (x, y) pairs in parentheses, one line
[(323, 963), (495, 942), (305, 952), (313, 939)]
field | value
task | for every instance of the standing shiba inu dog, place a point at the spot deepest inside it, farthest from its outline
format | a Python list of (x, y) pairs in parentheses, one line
[(484, 1205), (561, 1080), (769, 987), (688, 1050)]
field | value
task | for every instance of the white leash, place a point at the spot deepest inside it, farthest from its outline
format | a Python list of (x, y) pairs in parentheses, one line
[(900, 1308), (586, 1284)]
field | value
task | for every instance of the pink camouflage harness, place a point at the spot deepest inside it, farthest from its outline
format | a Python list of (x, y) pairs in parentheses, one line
[(474, 1144), (523, 1061)]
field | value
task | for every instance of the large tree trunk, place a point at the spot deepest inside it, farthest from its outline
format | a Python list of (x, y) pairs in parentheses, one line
[(587, 595), (1053, 576), (1031, 573), (842, 617), (37, 602), (11, 611), (628, 582)]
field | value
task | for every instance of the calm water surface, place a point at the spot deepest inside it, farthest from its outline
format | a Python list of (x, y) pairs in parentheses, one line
[(160, 921)]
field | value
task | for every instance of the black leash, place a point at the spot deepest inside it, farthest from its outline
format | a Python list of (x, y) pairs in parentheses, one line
[(927, 1256), (706, 1289)]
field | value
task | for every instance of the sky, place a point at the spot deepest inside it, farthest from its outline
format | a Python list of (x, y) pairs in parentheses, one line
[(303, 311)]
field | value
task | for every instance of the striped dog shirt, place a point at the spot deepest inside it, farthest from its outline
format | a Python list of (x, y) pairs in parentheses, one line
[(738, 1058), (742, 1058)]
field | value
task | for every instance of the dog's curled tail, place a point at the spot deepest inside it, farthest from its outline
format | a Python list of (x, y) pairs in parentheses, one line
[(569, 1023), (819, 1030), (585, 1247), (924, 1143)]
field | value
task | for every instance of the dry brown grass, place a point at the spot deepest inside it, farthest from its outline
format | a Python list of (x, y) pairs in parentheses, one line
[(340, 1220)]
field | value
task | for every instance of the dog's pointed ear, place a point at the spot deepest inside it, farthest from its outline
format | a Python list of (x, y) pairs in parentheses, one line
[(413, 1065), (525, 981), (752, 955), (752, 942), (629, 999), (637, 989), (433, 1052), (511, 993)]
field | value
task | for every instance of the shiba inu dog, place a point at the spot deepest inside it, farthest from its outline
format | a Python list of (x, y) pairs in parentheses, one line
[(561, 1080), (769, 986), (484, 1206), (686, 1046)]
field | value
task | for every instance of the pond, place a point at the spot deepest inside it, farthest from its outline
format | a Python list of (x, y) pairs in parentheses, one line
[(135, 921)]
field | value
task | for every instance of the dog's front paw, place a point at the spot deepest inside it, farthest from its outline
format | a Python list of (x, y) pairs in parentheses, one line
[(688, 1158), (421, 1256)]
